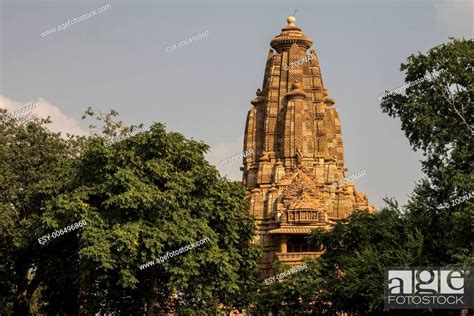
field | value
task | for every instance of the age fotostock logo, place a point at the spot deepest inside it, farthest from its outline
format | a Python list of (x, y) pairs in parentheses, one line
[(428, 287)]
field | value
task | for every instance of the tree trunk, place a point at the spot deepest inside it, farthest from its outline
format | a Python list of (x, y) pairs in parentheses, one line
[(150, 300), (85, 285), (79, 306), (26, 288), (464, 312), (21, 307)]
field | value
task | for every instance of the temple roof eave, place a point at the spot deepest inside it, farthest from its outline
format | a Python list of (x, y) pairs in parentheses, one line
[(296, 230), (291, 34)]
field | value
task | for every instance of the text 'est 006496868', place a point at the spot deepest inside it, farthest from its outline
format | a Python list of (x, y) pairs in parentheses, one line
[(61, 232)]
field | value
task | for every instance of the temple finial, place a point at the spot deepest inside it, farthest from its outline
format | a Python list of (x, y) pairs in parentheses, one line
[(290, 34), (291, 20)]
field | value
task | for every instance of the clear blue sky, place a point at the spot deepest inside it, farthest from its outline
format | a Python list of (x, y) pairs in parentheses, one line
[(117, 60)]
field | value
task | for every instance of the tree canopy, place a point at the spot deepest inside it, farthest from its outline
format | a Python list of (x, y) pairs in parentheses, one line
[(141, 197)]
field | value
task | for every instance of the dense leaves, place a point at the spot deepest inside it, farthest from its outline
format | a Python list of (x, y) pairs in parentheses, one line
[(141, 197), (33, 164), (437, 116)]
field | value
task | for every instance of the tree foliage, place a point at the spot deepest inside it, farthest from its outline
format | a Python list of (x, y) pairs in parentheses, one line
[(437, 117), (141, 197), (33, 164)]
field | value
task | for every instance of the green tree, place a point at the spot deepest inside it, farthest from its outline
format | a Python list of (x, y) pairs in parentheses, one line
[(141, 197), (298, 294), (437, 117), (33, 164), (357, 250)]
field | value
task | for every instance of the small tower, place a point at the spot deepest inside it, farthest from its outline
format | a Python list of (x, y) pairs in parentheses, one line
[(294, 131)]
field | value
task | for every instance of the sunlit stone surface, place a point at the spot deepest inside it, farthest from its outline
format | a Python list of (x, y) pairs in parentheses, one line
[(295, 134)]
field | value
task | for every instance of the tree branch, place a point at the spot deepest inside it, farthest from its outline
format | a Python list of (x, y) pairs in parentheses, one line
[(456, 110)]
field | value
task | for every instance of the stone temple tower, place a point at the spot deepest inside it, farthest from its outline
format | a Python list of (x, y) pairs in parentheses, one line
[(295, 174)]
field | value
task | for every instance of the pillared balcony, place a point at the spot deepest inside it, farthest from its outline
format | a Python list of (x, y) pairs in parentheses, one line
[(294, 258), (306, 216)]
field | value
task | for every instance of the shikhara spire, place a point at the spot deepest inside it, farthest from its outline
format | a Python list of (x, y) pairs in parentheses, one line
[(296, 113), (295, 134)]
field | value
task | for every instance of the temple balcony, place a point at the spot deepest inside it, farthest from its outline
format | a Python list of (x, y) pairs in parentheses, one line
[(294, 258), (305, 216)]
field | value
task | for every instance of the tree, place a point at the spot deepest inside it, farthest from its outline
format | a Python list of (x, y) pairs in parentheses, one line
[(357, 250), (297, 294), (146, 195), (141, 195), (437, 117), (33, 162)]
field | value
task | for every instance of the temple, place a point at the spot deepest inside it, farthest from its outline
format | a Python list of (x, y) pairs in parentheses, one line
[(294, 176)]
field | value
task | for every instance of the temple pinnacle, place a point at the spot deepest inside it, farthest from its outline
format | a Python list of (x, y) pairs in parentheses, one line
[(291, 20)]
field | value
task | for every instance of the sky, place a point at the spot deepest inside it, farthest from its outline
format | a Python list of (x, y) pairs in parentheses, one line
[(117, 59)]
